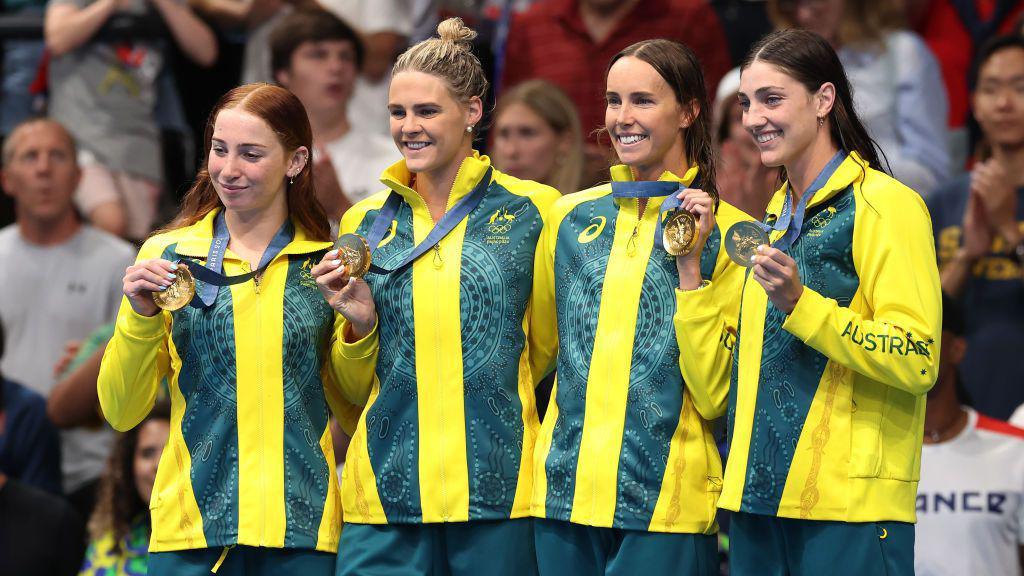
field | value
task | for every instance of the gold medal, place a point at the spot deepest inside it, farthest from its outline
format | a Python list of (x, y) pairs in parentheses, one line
[(179, 293), (742, 240), (679, 234), (354, 253)]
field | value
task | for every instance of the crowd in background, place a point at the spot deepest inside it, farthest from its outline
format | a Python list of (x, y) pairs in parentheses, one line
[(125, 86)]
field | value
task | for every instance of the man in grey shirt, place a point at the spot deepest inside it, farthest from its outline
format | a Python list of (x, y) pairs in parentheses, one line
[(59, 280)]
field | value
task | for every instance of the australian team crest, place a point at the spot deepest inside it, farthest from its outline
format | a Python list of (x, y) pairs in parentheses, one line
[(500, 223)]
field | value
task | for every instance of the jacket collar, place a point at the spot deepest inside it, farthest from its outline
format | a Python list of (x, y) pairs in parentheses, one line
[(851, 171), (623, 173), (397, 177)]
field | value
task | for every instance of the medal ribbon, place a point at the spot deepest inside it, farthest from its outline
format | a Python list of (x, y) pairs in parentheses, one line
[(793, 223), (210, 273), (654, 189), (446, 224)]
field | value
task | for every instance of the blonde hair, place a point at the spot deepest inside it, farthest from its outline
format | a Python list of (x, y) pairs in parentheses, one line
[(863, 22), (557, 110), (449, 57)]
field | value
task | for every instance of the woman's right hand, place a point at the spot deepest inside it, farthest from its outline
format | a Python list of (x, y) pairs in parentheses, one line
[(350, 297), (702, 206), (145, 277)]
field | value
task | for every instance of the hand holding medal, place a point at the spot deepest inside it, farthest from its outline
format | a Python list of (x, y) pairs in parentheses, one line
[(687, 228), (339, 277), (152, 285)]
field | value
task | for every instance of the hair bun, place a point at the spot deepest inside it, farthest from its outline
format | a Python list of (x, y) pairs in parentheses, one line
[(454, 30)]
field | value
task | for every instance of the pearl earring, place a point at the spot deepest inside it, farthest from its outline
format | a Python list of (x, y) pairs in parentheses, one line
[(469, 128)]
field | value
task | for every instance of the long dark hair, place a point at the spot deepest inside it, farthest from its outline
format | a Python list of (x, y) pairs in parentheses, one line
[(810, 60), (117, 501), (283, 112), (681, 70)]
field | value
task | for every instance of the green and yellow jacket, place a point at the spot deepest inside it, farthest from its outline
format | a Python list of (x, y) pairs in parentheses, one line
[(625, 442), (249, 459), (450, 420), (826, 405)]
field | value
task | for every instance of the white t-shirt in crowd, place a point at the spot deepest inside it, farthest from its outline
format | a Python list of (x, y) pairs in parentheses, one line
[(970, 502), (50, 295), (359, 158), (1017, 419)]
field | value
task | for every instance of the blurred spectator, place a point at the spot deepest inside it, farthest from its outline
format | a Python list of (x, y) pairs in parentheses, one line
[(954, 30), (896, 81), (970, 501), (107, 57), (40, 534), (20, 95), (744, 22), (977, 218), (29, 443), (120, 526), (742, 179), (318, 57), (59, 279), (537, 136), (569, 42), (73, 400), (385, 27)]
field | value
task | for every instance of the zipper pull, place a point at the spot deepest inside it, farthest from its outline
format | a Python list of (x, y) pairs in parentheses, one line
[(438, 261), (631, 244)]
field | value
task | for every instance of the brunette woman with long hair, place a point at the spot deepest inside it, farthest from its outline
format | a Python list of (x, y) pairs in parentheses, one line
[(247, 479)]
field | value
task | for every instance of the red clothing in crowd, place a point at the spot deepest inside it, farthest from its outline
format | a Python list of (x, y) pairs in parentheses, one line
[(947, 33), (549, 41)]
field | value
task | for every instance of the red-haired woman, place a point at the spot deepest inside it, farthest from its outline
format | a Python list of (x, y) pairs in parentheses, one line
[(247, 479)]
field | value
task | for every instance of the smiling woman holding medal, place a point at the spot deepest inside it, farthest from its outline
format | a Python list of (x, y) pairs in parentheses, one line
[(627, 472), (838, 338), (247, 482), (437, 477)]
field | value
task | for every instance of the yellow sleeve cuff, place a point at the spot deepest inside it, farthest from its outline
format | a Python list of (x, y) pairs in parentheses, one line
[(696, 303), (360, 349), (808, 316)]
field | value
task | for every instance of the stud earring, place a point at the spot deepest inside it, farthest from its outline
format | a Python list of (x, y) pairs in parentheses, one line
[(469, 128)]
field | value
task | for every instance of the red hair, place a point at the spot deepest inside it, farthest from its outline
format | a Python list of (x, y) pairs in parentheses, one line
[(285, 115)]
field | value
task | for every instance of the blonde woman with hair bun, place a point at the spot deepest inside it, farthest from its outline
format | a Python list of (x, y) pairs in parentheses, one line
[(537, 135), (438, 475)]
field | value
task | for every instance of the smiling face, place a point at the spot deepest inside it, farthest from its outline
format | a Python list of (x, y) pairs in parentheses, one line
[(428, 124), (322, 74), (780, 113), (644, 119), (247, 163)]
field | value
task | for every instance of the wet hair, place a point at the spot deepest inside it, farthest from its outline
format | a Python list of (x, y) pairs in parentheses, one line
[(810, 60), (310, 25), (558, 111), (449, 57), (118, 502), (284, 114)]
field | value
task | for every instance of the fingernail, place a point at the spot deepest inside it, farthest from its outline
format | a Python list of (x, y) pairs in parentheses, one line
[(174, 266), (162, 288), (335, 262), (171, 277), (332, 253), (753, 259)]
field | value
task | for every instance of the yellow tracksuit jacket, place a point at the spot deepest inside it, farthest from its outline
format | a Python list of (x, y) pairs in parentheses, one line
[(249, 460), (826, 405), (625, 442), (450, 420)]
